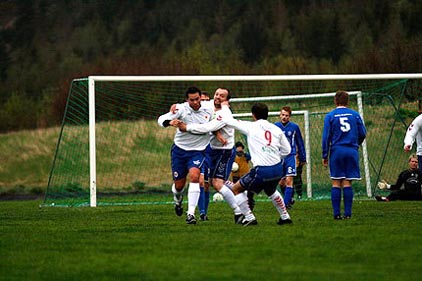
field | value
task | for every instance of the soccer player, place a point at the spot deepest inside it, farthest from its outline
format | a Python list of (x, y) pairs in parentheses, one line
[(292, 132), (343, 132), (411, 178), (187, 152), (268, 146), (222, 153), (414, 131)]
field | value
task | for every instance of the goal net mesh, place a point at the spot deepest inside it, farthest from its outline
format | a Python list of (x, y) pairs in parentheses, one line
[(133, 152)]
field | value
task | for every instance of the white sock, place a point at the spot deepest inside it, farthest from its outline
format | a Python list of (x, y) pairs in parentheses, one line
[(242, 202), (230, 199), (278, 203), (177, 195), (193, 197)]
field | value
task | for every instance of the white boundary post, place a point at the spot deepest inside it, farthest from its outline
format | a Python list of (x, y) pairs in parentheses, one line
[(364, 150), (92, 149)]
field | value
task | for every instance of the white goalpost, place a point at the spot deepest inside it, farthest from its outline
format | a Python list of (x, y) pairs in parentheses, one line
[(92, 80)]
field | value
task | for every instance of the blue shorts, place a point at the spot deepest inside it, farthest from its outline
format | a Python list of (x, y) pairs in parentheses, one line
[(344, 163), (262, 178), (289, 166), (183, 160), (221, 163)]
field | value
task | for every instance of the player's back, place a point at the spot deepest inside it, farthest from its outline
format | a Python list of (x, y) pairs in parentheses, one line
[(344, 127)]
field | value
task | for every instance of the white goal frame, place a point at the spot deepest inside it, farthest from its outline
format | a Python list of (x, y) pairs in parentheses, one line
[(93, 79)]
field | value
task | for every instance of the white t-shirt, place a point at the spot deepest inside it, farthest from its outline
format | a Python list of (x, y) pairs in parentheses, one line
[(266, 142), (414, 131), (218, 122), (185, 113)]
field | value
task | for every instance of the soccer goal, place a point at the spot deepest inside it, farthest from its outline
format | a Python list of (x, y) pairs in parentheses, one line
[(112, 151)]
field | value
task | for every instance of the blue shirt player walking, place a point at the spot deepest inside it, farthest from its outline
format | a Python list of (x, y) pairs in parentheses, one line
[(343, 132)]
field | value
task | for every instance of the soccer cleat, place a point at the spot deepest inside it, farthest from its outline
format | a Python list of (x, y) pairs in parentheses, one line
[(203, 217), (286, 221), (381, 198), (190, 219), (178, 208), (290, 204), (238, 218), (246, 223), (347, 217), (338, 217)]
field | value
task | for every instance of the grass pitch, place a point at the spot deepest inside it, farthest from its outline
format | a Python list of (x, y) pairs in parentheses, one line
[(148, 242)]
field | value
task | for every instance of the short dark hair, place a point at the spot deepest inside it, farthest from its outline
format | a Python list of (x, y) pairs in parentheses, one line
[(239, 144), (192, 90), (260, 110), (341, 98)]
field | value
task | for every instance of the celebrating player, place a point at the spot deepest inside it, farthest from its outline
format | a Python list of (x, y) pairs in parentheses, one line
[(268, 146), (187, 152)]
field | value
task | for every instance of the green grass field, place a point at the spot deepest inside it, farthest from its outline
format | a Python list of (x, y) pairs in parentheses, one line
[(148, 242)]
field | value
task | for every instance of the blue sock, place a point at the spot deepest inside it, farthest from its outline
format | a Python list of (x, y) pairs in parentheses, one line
[(201, 201), (207, 201), (336, 200), (348, 200), (288, 194)]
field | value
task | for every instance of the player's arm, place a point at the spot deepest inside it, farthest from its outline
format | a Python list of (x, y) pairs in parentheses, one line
[(165, 119), (300, 144), (326, 139), (400, 181), (213, 125), (411, 133)]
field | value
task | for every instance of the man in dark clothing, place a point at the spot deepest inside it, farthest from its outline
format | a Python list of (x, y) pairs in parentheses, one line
[(410, 178)]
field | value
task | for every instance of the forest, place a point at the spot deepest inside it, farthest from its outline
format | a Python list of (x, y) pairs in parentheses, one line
[(44, 44)]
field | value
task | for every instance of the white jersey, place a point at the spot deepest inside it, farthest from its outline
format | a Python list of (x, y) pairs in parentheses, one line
[(266, 142), (185, 113), (414, 131), (218, 122)]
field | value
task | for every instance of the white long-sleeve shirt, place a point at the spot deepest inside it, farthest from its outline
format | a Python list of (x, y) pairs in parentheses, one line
[(414, 132), (185, 113), (266, 142), (219, 122)]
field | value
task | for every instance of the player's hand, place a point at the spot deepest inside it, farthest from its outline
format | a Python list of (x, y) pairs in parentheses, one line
[(173, 108), (325, 163), (383, 185)]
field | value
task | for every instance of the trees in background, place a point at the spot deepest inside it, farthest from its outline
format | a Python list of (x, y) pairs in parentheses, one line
[(45, 44)]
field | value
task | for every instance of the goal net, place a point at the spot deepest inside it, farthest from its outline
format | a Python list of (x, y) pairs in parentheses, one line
[(111, 150)]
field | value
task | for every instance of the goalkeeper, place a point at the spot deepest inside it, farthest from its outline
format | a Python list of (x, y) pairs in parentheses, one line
[(408, 185)]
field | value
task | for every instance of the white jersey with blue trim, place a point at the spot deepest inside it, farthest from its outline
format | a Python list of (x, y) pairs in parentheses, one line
[(185, 113), (266, 142), (218, 122), (414, 131)]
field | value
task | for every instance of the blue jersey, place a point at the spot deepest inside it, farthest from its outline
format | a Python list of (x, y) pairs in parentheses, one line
[(294, 136), (343, 127)]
